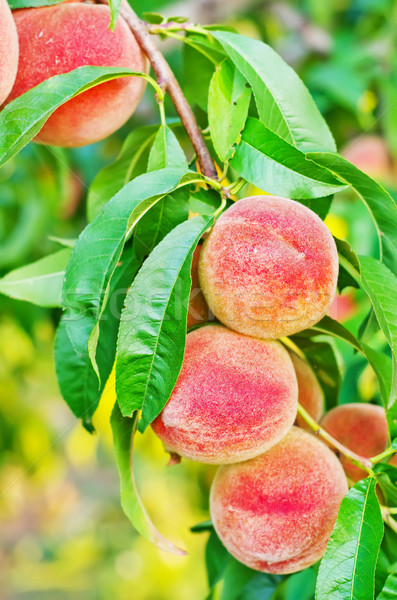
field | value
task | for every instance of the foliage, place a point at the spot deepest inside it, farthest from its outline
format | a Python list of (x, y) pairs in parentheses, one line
[(126, 281)]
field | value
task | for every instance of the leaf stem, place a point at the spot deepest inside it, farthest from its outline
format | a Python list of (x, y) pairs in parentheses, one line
[(359, 461), (388, 452), (167, 81)]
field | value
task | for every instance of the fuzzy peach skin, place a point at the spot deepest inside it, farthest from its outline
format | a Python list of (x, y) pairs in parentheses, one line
[(8, 51), (58, 39), (310, 394), (275, 513), (360, 427), (198, 311), (269, 267), (235, 397)]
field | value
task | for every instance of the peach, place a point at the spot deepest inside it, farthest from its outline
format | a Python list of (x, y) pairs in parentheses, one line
[(370, 154), (198, 311), (58, 39), (275, 513), (310, 394), (8, 50), (235, 397), (360, 427), (269, 267)]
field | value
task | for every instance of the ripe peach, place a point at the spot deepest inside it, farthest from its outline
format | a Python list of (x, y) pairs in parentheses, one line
[(269, 267), (360, 427), (58, 39), (310, 394), (8, 50), (275, 513), (198, 311), (235, 397)]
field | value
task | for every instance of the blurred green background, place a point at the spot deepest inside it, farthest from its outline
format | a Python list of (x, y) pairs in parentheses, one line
[(62, 532)]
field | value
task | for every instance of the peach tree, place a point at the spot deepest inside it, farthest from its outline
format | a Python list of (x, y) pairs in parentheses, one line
[(125, 285)]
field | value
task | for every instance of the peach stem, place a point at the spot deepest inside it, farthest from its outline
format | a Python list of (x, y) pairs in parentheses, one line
[(360, 461), (167, 80)]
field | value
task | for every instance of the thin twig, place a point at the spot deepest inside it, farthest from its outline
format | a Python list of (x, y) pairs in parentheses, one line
[(167, 80), (360, 461)]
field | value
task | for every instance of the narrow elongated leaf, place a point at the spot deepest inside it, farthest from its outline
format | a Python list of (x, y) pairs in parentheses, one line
[(153, 325), (114, 6), (98, 249), (123, 429), (284, 103), (39, 282), (77, 379), (160, 220), (380, 204), (171, 210), (381, 286), (16, 4), (166, 151), (331, 327), (379, 361), (389, 591), (216, 559), (348, 567), (131, 162), (269, 162), (386, 475), (23, 118), (228, 102), (324, 363)]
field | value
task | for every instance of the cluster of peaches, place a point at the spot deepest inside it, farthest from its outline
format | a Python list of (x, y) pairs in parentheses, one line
[(267, 270), (38, 43)]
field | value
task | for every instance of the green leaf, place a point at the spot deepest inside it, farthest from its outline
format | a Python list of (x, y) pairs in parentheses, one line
[(23, 118), (284, 103), (204, 201), (153, 18), (348, 567), (216, 559), (389, 591), (40, 282), (87, 286), (166, 151), (16, 4), (379, 202), (131, 162), (380, 362), (197, 73), (321, 356), (77, 379), (331, 327), (153, 324), (228, 102), (269, 162), (346, 251), (164, 216), (242, 583), (123, 429), (386, 476), (114, 6), (383, 368), (171, 210), (99, 247), (380, 284)]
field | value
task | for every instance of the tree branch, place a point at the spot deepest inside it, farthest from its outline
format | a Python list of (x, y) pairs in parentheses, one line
[(167, 80)]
